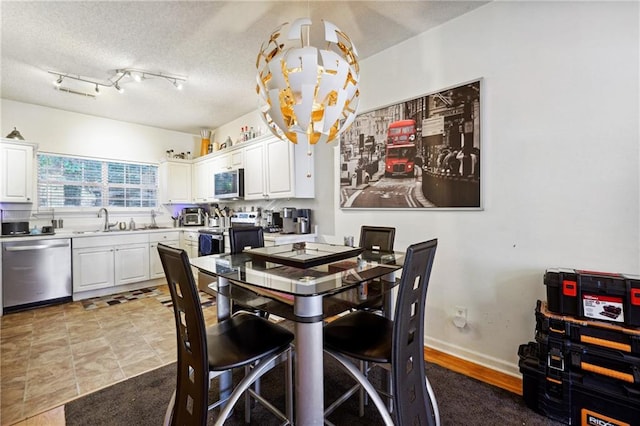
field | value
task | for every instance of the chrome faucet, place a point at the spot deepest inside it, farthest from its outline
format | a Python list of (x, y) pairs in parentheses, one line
[(107, 226)]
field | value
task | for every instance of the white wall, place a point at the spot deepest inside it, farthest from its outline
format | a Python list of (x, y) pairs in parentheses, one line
[(66, 132), (560, 161)]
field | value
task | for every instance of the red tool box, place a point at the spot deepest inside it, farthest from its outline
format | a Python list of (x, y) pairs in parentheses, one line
[(602, 296)]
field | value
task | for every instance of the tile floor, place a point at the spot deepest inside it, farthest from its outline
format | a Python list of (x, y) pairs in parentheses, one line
[(51, 355)]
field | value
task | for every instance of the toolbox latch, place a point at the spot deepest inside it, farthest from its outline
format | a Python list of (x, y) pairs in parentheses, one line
[(569, 288), (555, 360), (635, 296)]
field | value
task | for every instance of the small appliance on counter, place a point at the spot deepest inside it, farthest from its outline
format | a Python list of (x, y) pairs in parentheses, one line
[(303, 221), (193, 216), (289, 215), (13, 229)]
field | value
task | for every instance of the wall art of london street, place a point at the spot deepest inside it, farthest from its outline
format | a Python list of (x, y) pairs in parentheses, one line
[(422, 153)]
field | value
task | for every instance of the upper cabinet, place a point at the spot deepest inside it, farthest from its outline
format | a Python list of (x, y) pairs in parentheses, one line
[(16, 171), (175, 181), (277, 169), (229, 161), (202, 186)]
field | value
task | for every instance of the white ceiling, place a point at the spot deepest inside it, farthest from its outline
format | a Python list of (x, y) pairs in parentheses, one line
[(212, 43)]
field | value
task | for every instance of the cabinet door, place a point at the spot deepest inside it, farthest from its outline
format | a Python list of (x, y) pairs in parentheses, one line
[(202, 185), (237, 159), (16, 169), (93, 268), (279, 168), (254, 188), (175, 182), (131, 263), (155, 265)]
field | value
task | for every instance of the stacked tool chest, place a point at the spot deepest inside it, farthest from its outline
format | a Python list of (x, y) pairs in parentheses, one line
[(584, 366)]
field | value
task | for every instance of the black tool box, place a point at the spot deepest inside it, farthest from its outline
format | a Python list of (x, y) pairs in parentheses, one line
[(597, 333), (575, 398), (602, 296), (564, 355)]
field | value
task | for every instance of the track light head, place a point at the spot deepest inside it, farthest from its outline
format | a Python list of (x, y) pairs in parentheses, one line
[(58, 82), (97, 90), (118, 88), (178, 84)]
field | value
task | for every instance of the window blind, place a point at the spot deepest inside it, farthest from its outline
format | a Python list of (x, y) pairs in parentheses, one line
[(80, 182)]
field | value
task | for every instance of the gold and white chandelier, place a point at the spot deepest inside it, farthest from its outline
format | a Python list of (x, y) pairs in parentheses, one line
[(309, 94)]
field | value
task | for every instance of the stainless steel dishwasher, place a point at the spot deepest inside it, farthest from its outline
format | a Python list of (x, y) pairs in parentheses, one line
[(35, 273)]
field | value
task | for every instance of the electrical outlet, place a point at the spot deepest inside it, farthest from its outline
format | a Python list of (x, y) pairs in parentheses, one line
[(461, 312), (460, 316)]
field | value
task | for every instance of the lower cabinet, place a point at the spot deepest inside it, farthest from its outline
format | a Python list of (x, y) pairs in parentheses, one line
[(101, 262), (171, 239), (93, 268)]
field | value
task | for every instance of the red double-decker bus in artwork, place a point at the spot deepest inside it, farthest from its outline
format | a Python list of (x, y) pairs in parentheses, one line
[(401, 149)]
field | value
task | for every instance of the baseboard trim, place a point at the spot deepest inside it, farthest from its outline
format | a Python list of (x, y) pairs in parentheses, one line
[(473, 370)]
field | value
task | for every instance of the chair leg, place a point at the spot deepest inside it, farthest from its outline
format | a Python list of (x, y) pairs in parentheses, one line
[(363, 395), (168, 415), (434, 403), (258, 370), (368, 387), (247, 399), (288, 377)]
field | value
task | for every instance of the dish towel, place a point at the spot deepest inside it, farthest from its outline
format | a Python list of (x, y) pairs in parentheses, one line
[(205, 245)]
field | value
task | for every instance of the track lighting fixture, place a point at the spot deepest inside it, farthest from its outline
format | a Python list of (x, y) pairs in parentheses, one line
[(120, 74)]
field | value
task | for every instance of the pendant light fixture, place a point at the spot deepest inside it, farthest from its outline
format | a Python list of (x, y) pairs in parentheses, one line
[(308, 94)]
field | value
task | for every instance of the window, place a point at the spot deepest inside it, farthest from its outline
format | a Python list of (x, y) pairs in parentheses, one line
[(81, 182)]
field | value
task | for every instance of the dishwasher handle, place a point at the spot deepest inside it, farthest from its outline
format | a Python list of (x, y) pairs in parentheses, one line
[(36, 247)]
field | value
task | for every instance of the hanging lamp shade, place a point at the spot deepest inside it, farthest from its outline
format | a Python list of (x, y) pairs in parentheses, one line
[(308, 94)]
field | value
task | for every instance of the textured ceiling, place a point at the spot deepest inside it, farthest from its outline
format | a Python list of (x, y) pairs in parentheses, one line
[(213, 44)]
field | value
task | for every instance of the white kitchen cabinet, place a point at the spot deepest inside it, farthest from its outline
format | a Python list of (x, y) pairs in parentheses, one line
[(278, 169), (171, 239), (93, 268), (131, 263), (229, 160), (189, 242), (175, 181), (109, 261), (16, 172), (202, 185)]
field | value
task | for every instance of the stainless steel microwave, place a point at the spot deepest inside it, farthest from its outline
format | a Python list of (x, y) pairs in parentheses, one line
[(228, 184)]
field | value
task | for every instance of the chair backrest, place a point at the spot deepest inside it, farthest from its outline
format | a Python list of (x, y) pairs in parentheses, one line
[(409, 387), (377, 237), (246, 236), (190, 407)]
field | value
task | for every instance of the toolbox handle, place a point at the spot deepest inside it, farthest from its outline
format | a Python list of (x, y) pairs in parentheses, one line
[(605, 343), (607, 372)]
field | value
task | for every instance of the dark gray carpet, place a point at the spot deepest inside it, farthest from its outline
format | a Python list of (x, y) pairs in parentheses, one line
[(142, 401)]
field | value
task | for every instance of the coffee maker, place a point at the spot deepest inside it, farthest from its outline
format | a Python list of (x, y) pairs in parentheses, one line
[(303, 221), (289, 215)]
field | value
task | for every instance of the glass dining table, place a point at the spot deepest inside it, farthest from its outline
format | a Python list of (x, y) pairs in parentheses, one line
[(306, 284)]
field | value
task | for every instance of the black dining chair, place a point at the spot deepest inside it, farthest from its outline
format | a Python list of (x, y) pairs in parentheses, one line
[(244, 340), (367, 336), (378, 239), (241, 238), (244, 237)]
